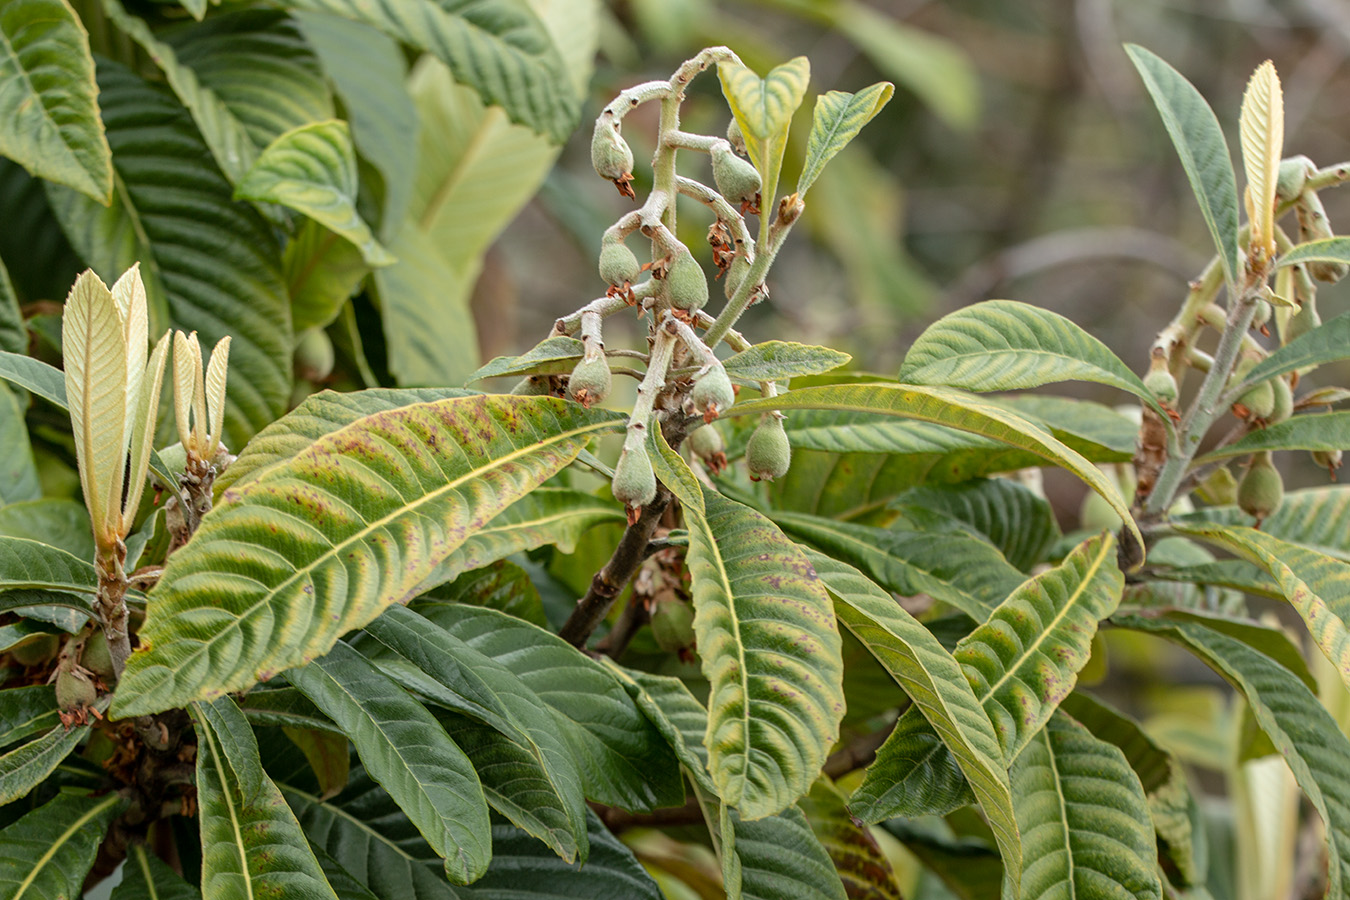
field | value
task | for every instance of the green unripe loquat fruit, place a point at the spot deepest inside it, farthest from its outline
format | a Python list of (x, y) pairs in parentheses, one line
[(36, 650), (74, 690), (1293, 176), (96, 657), (1329, 460), (634, 481), (610, 153), (686, 283), (705, 442), (314, 355), (1162, 384), (673, 625), (769, 452), (618, 265), (1261, 490), (712, 393), (735, 136), (1284, 401), (736, 272), (590, 381), (532, 386), (735, 178)]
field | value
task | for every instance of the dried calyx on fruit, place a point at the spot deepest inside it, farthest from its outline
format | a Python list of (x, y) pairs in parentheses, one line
[(1261, 490), (712, 393), (705, 442), (611, 155), (1329, 460), (590, 381), (769, 451), (686, 284), (634, 481)]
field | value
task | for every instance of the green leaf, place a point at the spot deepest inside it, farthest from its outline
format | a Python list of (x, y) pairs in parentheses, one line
[(251, 842), (946, 563), (763, 108), (69, 612), (779, 857), (943, 406), (778, 360), (383, 119), (61, 523), (18, 472), (503, 586), (552, 356), (775, 704), (859, 861), (680, 718), (915, 774), (343, 883), (1316, 586), (1001, 345), (48, 99), (934, 69), (1326, 343), (1300, 727), (968, 866), (937, 685), (1161, 774), (1320, 431), (284, 707), (312, 170), (28, 765), (48, 852), (623, 759), (405, 749), (501, 50), (322, 271), (17, 632), (836, 120), (1198, 139), (1083, 817), (13, 332), (32, 565), (361, 517), (365, 829), (1336, 249), (214, 268), (34, 375), (328, 754), (146, 877), (1017, 521), (1318, 518)]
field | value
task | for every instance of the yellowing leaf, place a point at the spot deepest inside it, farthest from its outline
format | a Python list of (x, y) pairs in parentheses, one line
[(763, 108), (1262, 124)]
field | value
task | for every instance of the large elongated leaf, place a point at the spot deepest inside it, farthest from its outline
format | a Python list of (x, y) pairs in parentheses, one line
[(251, 842), (13, 334), (27, 710), (146, 877), (1017, 521), (323, 542), (769, 648), (322, 272), (312, 170), (501, 50), (49, 120), (1318, 518), (623, 759), (1336, 249), (935, 682), (1001, 345), (1262, 128), (208, 263), (1196, 134), (61, 523), (677, 714), (1299, 726), (1084, 820), (18, 472), (1326, 343), (948, 563), (1316, 586), (779, 858), (555, 355), (943, 406), (836, 120), (406, 751), (27, 766), (26, 564), (776, 360), (48, 852), (859, 861), (1321, 431), (34, 375)]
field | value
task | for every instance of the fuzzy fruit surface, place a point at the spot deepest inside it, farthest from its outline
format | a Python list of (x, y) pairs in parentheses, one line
[(712, 394), (74, 690), (1261, 490), (769, 452), (736, 179), (673, 625), (610, 153), (634, 481), (590, 381), (618, 265), (687, 284)]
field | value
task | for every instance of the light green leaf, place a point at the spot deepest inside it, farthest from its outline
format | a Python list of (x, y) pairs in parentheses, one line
[(48, 852), (163, 169), (1084, 819), (1317, 518), (13, 332), (251, 842), (146, 877), (312, 170), (556, 355), (428, 327), (48, 99), (775, 705), (1320, 431), (1003, 345), (1336, 249), (1261, 124), (1161, 774), (18, 473), (1300, 727), (935, 69), (934, 557), (1198, 139), (623, 759), (858, 860), (15, 633), (763, 108), (322, 543), (943, 406), (383, 119), (27, 766), (1316, 586), (1326, 343), (836, 120), (25, 711), (501, 50), (322, 271), (69, 612), (1017, 521), (33, 565), (937, 685), (34, 375), (778, 360), (405, 749)]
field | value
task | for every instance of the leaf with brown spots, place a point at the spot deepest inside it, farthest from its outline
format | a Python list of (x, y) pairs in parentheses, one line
[(320, 544)]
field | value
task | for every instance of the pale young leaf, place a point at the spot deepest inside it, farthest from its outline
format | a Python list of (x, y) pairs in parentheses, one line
[(1262, 125)]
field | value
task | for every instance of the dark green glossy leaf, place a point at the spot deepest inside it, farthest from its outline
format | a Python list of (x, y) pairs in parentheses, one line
[(1019, 523), (34, 375), (25, 711), (48, 852), (146, 877)]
